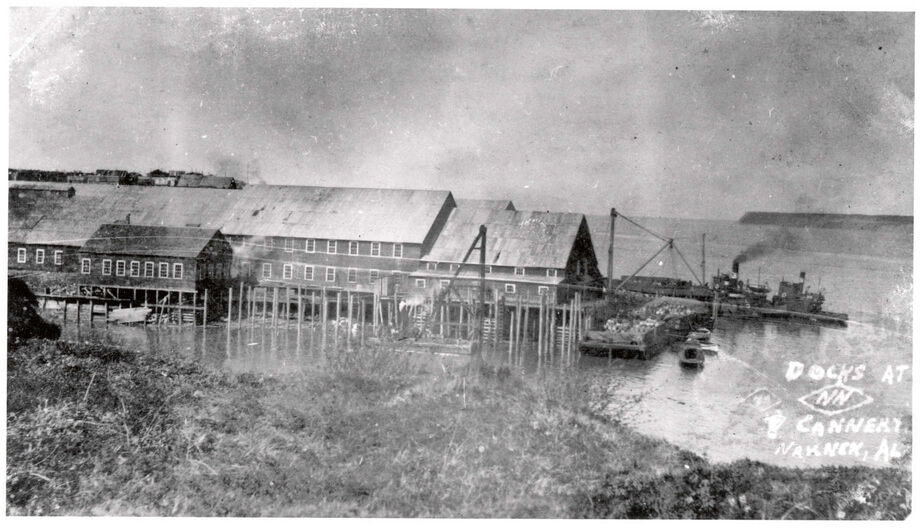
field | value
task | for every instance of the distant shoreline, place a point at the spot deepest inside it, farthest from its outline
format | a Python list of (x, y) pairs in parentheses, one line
[(826, 220)]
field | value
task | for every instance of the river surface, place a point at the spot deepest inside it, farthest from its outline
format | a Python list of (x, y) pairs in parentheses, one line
[(774, 391)]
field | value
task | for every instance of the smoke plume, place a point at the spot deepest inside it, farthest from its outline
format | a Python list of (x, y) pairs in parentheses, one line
[(777, 240)]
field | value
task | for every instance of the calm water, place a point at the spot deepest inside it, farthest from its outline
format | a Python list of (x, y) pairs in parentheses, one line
[(726, 409)]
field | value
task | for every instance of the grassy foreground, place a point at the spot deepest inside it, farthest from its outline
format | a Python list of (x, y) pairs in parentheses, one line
[(97, 430)]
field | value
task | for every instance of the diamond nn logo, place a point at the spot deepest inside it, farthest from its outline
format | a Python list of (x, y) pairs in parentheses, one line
[(835, 399)]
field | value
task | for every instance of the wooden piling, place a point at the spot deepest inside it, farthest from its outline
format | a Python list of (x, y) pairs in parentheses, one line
[(322, 311), (204, 321), (229, 308), (239, 314), (300, 311), (348, 325), (540, 329), (511, 337), (274, 306)]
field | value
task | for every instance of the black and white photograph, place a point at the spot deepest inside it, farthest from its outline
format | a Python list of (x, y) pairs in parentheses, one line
[(450, 263)]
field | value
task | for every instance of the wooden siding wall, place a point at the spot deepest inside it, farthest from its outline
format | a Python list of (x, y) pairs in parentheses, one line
[(69, 261)]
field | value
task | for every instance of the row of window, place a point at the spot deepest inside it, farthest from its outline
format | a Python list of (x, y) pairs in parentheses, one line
[(22, 256), (509, 288), (287, 273), (332, 246), (433, 266), (133, 269)]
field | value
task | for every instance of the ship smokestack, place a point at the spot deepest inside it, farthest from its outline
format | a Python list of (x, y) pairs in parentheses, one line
[(735, 267), (802, 276)]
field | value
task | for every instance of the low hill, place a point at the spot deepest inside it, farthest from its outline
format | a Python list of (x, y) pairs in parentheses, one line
[(827, 220)]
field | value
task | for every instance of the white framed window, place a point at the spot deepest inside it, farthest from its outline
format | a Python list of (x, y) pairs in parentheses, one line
[(375, 276), (510, 288), (421, 283), (519, 271), (148, 270), (266, 270), (164, 270), (352, 248), (58, 258), (288, 245), (287, 272), (106, 267), (120, 268), (330, 274), (331, 246), (375, 249), (453, 267), (39, 256), (21, 256), (311, 246), (308, 273), (488, 269), (550, 273), (177, 270), (431, 266), (352, 275), (542, 290), (86, 265), (445, 283), (397, 250), (135, 268)]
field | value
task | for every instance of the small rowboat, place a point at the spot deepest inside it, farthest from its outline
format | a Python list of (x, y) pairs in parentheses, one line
[(129, 315), (691, 354), (702, 335)]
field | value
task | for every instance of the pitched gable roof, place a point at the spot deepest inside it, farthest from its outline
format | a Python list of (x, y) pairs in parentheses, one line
[(145, 240)]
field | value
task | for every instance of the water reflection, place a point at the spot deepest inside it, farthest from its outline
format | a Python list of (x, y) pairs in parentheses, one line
[(721, 411)]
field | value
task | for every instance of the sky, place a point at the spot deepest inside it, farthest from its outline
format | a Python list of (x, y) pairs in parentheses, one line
[(664, 113)]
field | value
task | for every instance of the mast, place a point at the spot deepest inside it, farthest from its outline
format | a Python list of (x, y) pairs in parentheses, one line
[(613, 218), (703, 264)]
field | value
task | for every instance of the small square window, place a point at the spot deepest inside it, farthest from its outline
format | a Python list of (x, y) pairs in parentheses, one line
[(266, 270), (86, 266), (550, 273), (352, 275), (488, 269), (106, 267), (308, 273), (420, 283), (58, 258), (510, 288), (431, 266), (135, 268), (288, 271), (454, 267), (331, 246), (120, 268), (375, 275), (148, 269), (21, 256), (398, 250), (352, 248), (289, 245), (330, 274), (177, 270), (39, 256), (519, 271), (311, 245), (542, 290), (375, 249), (164, 270)]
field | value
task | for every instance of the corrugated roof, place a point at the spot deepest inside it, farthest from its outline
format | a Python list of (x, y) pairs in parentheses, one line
[(498, 205), (344, 213), (513, 238), (384, 215), (124, 239)]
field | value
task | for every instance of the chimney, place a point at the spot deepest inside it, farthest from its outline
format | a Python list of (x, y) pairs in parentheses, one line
[(128, 218), (802, 276), (735, 267)]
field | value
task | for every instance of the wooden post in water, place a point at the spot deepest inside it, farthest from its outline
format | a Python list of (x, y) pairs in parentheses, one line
[(204, 321), (511, 337), (229, 308), (300, 310), (90, 313), (239, 311), (540, 329), (348, 325), (312, 307), (264, 303), (287, 306), (322, 311), (274, 306), (525, 337), (78, 312)]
